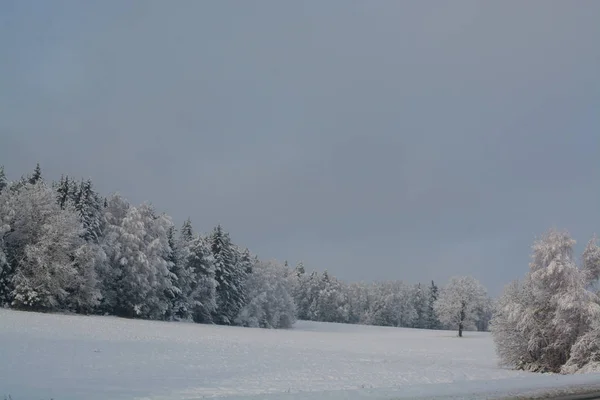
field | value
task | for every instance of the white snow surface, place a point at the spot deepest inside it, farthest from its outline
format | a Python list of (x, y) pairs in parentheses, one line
[(68, 357)]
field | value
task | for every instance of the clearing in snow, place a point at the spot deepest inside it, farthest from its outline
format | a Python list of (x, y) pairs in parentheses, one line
[(68, 357)]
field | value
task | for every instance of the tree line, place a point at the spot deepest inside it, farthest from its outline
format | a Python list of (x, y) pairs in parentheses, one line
[(64, 247)]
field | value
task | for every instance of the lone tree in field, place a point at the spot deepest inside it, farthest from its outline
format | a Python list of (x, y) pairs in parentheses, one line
[(459, 301)]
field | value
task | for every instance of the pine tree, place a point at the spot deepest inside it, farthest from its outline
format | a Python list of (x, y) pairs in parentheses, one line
[(202, 290), (6, 271), (432, 320), (300, 271), (175, 291), (62, 190), (37, 175), (187, 232), (228, 276), (89, 207), (196, 298), (3, 181), (245, 261)]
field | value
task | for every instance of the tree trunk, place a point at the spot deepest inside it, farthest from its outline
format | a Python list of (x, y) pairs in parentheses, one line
[(460, 329)]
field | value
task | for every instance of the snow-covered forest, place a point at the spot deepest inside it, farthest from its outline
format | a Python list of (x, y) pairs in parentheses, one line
[(65, 247)]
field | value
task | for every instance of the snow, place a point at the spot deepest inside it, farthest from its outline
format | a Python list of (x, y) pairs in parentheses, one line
[(67, 357)]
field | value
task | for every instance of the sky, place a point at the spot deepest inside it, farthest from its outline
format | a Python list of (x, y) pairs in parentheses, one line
[(411, 140)]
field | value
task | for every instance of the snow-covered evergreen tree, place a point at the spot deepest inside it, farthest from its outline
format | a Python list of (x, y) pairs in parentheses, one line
[(245, 261), (3, 181), (229, 277), (195, 277), (37, 175), (202, 296), (90, 209), (174, 292), (458, 302), (63, 192), (301, 292), (186, 234), (591, 262), (6, 270), (433, 321)]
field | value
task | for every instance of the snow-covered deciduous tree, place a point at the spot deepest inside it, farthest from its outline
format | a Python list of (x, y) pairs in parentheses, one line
[(419, 303), (357, 295), (40, 245), (537, 323), (145, 276), (391, 305), (84, 290), (270, 302), (591, 262), (111, 271), (483, 314), (512, 343), (585, 353), (458, 302)]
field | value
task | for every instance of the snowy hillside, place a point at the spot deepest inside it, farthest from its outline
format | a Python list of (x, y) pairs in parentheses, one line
[(99, 358)]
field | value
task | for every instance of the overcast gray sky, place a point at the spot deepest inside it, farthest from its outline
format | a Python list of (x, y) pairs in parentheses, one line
[(376, 139)]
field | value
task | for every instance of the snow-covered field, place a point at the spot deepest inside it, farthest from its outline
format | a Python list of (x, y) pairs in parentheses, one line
[(100, 358)]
